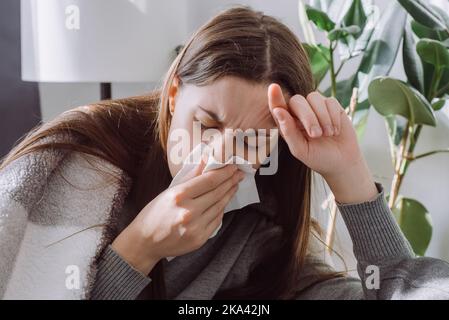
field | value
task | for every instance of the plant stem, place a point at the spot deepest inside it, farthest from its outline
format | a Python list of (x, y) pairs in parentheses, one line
[(412, 145), (400, 167), (332, 71), (426, 154)]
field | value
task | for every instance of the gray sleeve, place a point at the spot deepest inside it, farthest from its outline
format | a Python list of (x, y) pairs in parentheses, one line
[(386, 264), (116, 279)]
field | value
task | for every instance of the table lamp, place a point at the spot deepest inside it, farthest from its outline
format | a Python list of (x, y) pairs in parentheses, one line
[(100, 41)]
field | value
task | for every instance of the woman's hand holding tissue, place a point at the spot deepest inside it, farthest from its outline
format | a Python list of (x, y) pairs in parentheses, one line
[(320, 134), (180, 219)]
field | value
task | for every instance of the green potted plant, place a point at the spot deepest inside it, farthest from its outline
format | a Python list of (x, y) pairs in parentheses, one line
[(423, 31)]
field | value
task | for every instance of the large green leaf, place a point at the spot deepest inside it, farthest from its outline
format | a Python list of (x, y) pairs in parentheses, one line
[(393, 97), (320, 19), (429, 71), (424, 32), (412, 63), (415, 222), (433, 52), (424, 14), (319, 57), (355, 16)]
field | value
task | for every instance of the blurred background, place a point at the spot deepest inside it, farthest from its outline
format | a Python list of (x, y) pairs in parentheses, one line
[(59, 54)]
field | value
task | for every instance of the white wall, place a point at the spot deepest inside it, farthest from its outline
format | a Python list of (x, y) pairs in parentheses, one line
[(427, 179), (58, 97)]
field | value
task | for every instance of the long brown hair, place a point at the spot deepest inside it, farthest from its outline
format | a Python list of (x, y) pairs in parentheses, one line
[(132, 134)]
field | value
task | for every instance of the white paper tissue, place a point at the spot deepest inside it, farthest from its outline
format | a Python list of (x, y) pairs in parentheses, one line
[(247, 191)]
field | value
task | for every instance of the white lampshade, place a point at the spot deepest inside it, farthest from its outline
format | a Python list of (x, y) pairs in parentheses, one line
[(100, 40)]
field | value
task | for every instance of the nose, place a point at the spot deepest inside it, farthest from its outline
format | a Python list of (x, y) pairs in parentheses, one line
[(222, 146), (245, 145)]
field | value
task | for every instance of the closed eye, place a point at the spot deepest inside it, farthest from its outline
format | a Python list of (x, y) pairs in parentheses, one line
[(204, 125)]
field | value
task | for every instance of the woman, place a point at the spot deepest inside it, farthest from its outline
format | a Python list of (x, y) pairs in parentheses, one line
[(242, 70)]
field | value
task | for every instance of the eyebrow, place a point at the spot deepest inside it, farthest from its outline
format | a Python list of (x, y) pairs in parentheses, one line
[(211, 114), (215, 117)]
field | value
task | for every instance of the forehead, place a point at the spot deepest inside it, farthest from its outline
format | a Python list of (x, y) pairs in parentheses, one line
[(237, 102)]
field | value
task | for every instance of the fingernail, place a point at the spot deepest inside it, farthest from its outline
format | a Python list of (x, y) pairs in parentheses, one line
[(328, 131), (279, 115), (315, 131)]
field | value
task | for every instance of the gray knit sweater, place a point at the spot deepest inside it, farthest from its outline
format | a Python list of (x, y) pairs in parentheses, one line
[(58, 214), (387, 267)]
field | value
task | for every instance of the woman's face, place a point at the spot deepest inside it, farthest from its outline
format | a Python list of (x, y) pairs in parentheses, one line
[(219, 109)]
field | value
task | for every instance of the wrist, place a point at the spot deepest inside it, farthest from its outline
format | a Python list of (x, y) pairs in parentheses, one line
[(135, 251), (355, 184)]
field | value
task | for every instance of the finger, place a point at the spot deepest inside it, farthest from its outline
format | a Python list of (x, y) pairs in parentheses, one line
[(208, 199), (304, 112), (335, 111), (211, 227), (318, 105), (209, 218), (276, 99), (205, 182), (293, 136)]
